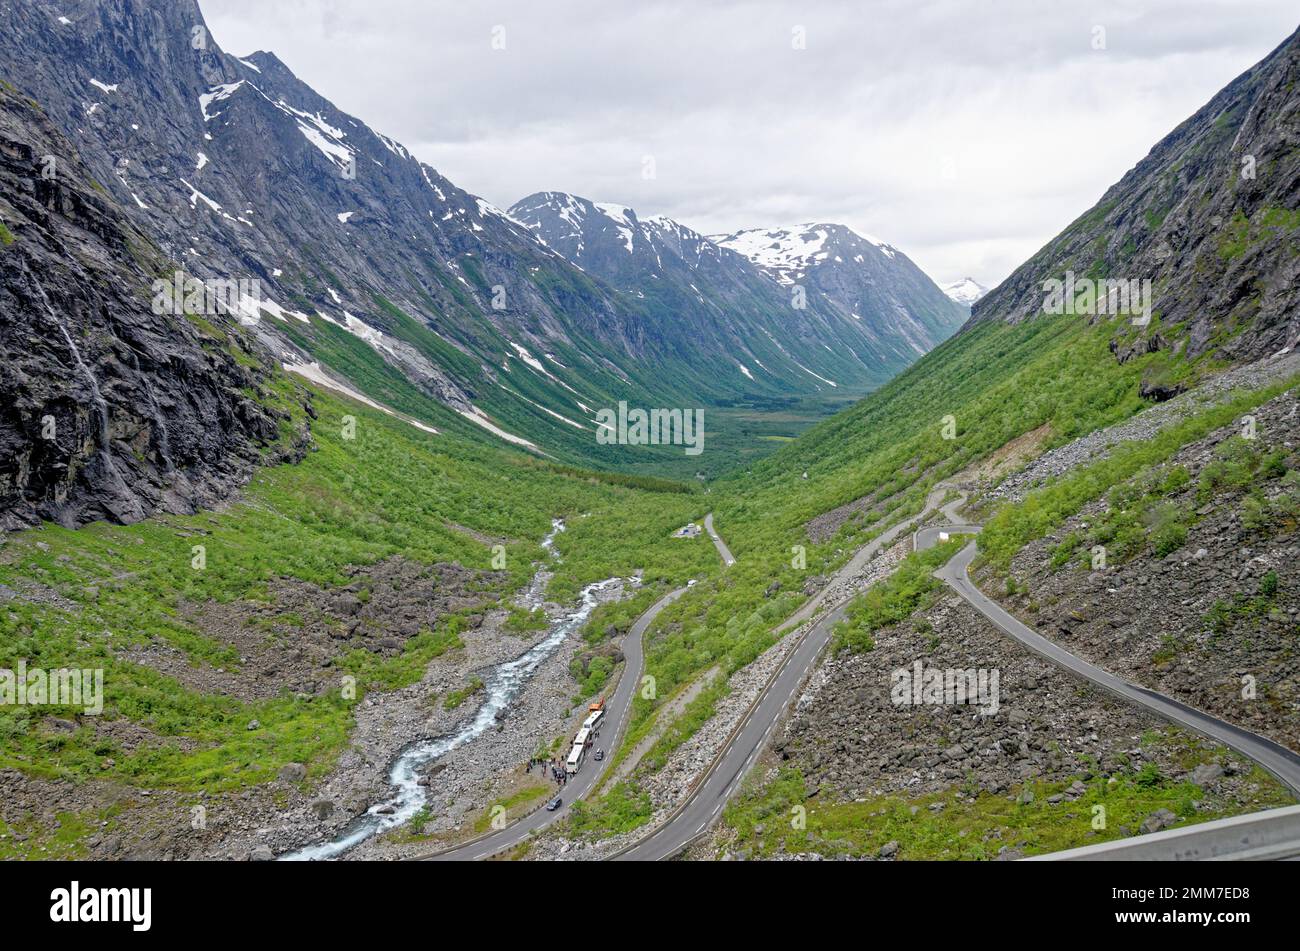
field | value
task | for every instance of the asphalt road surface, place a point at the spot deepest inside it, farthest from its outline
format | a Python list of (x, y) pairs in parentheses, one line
[(727, 558), (1277, 759), (705, 804), (618, 708)]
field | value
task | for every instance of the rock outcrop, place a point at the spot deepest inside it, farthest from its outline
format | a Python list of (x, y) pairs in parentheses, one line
[(108, 410), (1211, 217)]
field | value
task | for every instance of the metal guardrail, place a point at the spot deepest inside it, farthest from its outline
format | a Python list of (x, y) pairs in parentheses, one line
[(808, 624), (1271, 835), (694, 786)]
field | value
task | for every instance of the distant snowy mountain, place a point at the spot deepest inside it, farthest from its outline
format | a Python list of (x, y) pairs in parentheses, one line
[(966, 291), (866, 313), (713, 306), (612, 242), (789, 252), (860, 276)]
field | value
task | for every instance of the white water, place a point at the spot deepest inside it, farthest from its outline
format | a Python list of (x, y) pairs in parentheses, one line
[(532, 598), (101, 407), (503, 684)]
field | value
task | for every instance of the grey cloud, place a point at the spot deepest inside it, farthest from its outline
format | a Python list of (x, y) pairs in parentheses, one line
[(859, 127)]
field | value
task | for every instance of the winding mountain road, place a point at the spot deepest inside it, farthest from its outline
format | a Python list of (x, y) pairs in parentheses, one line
[(705, 802), (618, 709), (1277, 759), (703, 806), (727, 558)]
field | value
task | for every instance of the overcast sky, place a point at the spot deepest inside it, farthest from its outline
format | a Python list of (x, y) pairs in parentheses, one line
[(966, 133)]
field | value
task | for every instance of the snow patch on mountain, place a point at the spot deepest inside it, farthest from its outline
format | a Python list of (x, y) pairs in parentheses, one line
[(392, 145), (526, 356), (196, 196), (252, 306), (217, 94), (428, 181), (479, 418), (788, 252), (313, 371), (330, 147), (966, 291), (621, 216), (811, 373), (544, 409)]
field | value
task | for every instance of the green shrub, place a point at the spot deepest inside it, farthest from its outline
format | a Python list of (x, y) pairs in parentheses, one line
[(1255, 512), (1168, 531), (521, 620), (908, 589)]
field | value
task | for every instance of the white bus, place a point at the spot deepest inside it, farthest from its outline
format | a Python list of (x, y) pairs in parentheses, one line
[(592, 720), (575, 759)]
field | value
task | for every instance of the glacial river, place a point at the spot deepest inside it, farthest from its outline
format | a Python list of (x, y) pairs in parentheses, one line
[(502, 685)]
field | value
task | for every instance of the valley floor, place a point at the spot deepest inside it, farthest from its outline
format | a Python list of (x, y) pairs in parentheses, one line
[(228, 736)]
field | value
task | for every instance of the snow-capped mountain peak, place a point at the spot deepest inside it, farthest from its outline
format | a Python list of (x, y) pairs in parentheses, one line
[(788, 252), (610, 239), (859, 276), (966, 291)]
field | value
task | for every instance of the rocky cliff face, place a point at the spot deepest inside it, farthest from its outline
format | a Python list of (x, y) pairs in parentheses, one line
[(243, 172), (1211, 217), (107, 409)]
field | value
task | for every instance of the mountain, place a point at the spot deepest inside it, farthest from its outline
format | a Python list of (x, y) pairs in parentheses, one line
[(375, 272), (403, 563), (369, 261), (719, 306), (966, 291), (855, 275), (111, 407), (1211, 217)]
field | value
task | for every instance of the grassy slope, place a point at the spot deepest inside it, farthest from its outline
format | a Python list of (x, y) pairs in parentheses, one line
[(389, 492), (762, 820), (998, 382), (734, 433), (393, 489)]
